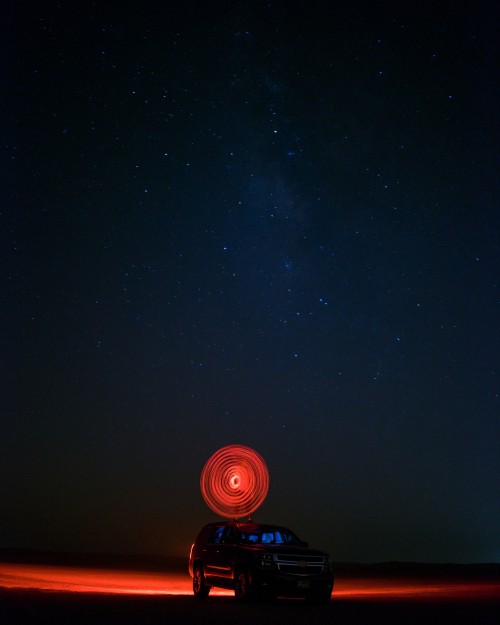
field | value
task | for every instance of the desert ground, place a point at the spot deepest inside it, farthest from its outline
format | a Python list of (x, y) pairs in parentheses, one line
[(57, 593)]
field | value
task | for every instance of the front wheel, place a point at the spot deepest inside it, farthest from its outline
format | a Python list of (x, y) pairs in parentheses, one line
[(243, 587), (200, 586)]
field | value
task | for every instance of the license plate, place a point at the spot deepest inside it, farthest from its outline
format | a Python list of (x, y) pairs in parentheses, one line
[(304, 583)]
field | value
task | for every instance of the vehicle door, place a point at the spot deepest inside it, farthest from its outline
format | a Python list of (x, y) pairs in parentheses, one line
[(224, 556), (211, 552)]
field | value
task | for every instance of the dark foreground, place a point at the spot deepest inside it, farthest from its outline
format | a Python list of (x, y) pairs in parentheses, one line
[(57, 608)]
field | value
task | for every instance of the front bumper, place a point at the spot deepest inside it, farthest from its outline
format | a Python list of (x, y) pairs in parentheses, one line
[(287, 585)]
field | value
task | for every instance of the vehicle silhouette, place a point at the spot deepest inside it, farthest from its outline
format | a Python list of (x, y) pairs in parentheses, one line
[(258, 560)]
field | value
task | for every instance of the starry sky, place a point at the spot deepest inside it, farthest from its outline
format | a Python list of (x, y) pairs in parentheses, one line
[(265, 223)]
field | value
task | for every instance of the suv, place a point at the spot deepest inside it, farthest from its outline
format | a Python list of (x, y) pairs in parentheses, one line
[(254, 559)]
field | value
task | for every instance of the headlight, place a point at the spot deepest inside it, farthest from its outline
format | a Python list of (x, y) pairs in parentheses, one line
[(266, 560)]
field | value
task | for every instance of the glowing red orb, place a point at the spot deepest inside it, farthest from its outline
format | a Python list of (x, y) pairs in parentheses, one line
[(234, 481)]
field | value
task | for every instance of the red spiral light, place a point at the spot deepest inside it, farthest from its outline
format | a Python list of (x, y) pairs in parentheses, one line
[(234, 481)]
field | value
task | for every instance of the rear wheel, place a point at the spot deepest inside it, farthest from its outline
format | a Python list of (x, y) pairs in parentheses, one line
[(243, 588), (200, 586)]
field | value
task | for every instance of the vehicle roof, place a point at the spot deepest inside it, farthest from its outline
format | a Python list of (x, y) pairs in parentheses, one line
[(246, 525)]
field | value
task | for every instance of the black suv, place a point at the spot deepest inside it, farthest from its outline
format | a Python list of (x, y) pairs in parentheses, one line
[(254, 559)]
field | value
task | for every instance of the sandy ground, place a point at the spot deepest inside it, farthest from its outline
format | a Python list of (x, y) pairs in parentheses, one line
[(40, 593)]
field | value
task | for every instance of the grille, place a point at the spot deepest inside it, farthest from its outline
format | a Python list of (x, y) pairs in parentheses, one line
[(300, 565), (293, 569)]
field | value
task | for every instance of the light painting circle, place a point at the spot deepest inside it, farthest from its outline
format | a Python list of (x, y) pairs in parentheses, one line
[(234, 481)]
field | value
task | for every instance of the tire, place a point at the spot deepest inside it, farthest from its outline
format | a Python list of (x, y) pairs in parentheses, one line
[(266, 597), (243, 590), (200, 586)]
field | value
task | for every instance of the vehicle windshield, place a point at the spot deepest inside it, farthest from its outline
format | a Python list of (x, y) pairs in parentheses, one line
[(270, 536)]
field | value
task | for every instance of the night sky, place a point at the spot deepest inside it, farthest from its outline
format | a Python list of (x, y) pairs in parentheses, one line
[(265, 223)]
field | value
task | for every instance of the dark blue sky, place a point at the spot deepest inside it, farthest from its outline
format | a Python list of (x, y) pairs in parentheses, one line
[(265, 223)]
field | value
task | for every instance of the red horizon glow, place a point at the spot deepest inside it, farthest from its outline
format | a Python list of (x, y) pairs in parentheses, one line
[(168, 583), (95, 580), (234, 481)]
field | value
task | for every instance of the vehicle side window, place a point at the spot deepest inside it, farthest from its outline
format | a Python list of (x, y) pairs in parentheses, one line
[(230, 536), (215, 536)]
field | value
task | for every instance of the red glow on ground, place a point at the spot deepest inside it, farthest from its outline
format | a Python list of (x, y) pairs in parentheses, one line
[(109, 581), (234, 481), (128, 582), (415, 589)]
